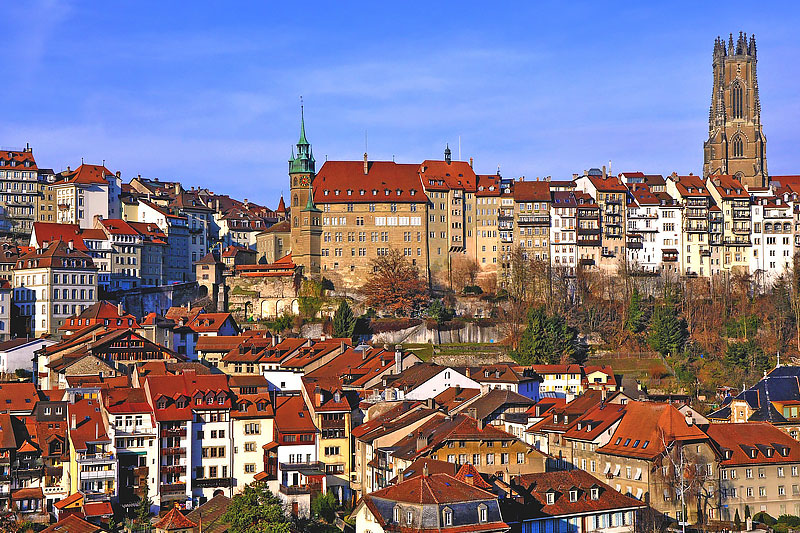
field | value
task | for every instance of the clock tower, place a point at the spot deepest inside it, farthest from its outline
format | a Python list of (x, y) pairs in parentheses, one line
[(305, 218)]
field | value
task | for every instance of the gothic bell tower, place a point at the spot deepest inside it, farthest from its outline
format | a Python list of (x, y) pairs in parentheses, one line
[(305, 218), (736, 144)]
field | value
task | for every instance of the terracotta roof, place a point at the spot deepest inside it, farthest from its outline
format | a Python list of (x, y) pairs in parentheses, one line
[(46, 232), (470, 475), (72, 523), (86, 175), (28, 493), (691, 186), (729, 187), (417, 468), (647, 427), (74, 498), (18, 396), (211, 322), (117, 226), (753, 443), (253, 406), (19, 157), (292, 416), (100, 312), (440, 175), (174, 520), (57, 254), (608, 184), (224, 343), (532, 191), (211, 514), (90, 426), (381, 183), (283, 226), (453, 397), (97, 509), (561, 483), (183, 388), (488, 185), (433, 488), (126, 401)]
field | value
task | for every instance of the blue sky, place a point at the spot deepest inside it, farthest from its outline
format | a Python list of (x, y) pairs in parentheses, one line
[(209, 94)]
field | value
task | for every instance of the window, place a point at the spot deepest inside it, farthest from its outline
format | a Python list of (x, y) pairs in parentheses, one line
[(551, 498), (736, 96), (483, 513), (573, 495), (409, 517), (738, 147), (595, 493), (448, 517), (396, 514)]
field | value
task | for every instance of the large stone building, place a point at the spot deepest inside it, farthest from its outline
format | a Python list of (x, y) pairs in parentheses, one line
[(736, 144)]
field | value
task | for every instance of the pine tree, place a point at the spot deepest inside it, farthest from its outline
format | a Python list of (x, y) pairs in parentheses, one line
[(668, 331), (636, 317), (737, 521), (344, 321), (546, 339)]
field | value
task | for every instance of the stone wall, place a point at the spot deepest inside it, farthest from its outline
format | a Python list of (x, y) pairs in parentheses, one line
[(144, 300), (422, 334), (265, 297)]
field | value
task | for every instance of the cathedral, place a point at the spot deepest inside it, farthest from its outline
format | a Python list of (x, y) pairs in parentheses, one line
[(736, 144)]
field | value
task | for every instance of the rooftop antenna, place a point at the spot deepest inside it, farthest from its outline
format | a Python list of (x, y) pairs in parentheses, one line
[(609, 167)]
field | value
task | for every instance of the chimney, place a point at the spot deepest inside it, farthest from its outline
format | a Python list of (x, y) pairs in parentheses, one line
[(421, 443), (425, 469), (178, 187), (603, 394), (96, 431), (470, 162), (119, 309), (317, 396), (430, 403), (469, 479), (467, 372), (366, 164), (473, 412), (73, 422), (70, 245), (398, 359)]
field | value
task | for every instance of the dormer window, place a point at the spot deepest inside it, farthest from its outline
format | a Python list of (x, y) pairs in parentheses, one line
[(551, 498), (619, 439), (162, 404), (396, 514), (483, 513), (769, 452), (645, 444), (447, 517), (753, 453), (573, 495), (595, 493)]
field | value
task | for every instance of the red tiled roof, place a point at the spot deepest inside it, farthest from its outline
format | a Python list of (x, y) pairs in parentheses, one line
[(117, 226), (532, 191), (95, 509), (647, 427), (55, 255), (174, 520), (292, 416), (728, 186), (608, 184), (20, 156), (210, 322), (86, 175), (562, 482), (89, 423), (433, 488), (126, 400), (470, 475), (18, 396), (28, 493), (339, 177), (185, 386), (753, 443), (441, 175), (691, 186), (74, 498), (72, 523)]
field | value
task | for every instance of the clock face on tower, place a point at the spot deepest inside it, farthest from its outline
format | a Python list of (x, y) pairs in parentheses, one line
[(305, 181)]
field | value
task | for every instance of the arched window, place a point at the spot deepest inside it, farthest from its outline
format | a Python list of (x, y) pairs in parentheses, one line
[(736, 94), (295, 201), (738, 147)]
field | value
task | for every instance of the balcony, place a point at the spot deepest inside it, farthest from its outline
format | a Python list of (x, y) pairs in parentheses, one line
[(735, 241), (586, 262), (98, 474), (695, 213), (173, 469), (589, 242), (103, 457), (177, 450), (697, 228), (314, 465), (635, 245), (669, 257), (212, 482), (705, 252), (54, 471), (333, 424), (741, 214), (180, 432), (745, 230), (589, 231), (505, 224), (533, 220), (173, 488)]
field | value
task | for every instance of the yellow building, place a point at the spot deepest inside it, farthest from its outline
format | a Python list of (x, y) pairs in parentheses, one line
[(734, 202)]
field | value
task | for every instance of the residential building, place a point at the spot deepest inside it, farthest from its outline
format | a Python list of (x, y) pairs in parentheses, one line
[(734, 204), (126, 253), (611, 197), (532, 219), (84, 193), (696, 202), (563, 231), (19, 191), (428, 503), (51, 284)]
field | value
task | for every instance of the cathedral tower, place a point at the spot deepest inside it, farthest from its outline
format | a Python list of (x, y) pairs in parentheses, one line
[(305, 218), (736, 144)]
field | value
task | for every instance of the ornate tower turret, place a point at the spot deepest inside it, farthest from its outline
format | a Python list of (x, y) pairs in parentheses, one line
[(305, 218), (736, 144)]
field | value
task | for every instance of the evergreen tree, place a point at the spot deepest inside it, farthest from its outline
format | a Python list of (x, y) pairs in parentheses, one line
[(344, 321), (636, 316), (440, 312), (668, 331), (142, 517), (546, 339), (324, 506), (737, 521)]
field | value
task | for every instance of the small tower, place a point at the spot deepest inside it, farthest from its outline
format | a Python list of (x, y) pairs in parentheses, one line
[(736, 143), (447, 154), (304, 217)]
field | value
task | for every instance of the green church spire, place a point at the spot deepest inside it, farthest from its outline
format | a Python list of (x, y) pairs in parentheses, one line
[(302, 161)]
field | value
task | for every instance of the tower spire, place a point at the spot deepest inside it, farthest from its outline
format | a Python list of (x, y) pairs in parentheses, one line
[(303, 139)]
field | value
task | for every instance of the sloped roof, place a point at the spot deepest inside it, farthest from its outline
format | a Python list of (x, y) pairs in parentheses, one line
[(57, 254), (20, 157), (339, 177), (211, 514), (18, 396), (433, 488), (769, 444), (470, 475), (174, 520), (72, 523), (86, 175), (532, 191), (561, 483), (292, 416), (497, 398)]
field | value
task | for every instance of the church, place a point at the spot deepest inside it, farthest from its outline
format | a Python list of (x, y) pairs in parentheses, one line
[(736, 144)]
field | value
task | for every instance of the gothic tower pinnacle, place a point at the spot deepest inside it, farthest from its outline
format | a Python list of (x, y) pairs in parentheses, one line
[(736, 144)]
